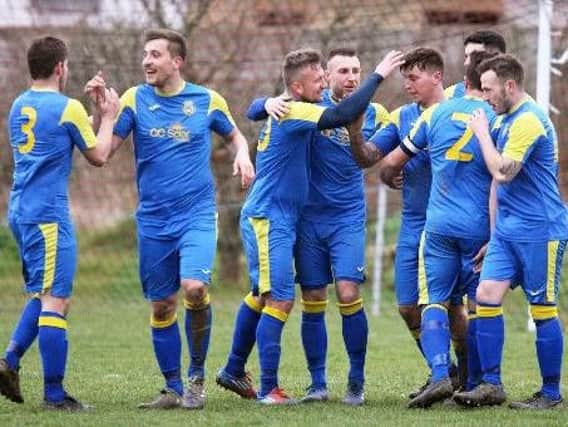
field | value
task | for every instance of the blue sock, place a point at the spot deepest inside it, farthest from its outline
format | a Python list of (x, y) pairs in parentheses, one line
[(355, 333), (244, 336), (53, 349), (198, 320), (25, 333), (490, 340), (474, 372), (436, 340), (167, 348), (549, 349), (314, 340), (268, 337)]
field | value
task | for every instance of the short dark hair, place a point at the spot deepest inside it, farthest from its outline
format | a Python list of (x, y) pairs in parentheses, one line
[(176, 41), (472, 74), (44, 54), (341, 51), (505, 66), (297, 60), (491, 40), (424, 58)]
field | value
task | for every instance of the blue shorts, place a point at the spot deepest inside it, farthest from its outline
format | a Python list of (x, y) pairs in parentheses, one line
[(164, 263), (446, 268), (328, 252), (49, 257), (535, 266), (406, 269), (269, 246)]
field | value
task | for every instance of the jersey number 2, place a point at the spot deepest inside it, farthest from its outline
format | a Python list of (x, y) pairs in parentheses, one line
[(454, 152), (28, 129)]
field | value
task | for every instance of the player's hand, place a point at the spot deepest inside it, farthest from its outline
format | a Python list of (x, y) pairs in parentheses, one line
[(478, 122), (109, 105), (243, 166), (95, 88), (277, 107), (392, 60), (397, 182), (355, 126), (478, 259)]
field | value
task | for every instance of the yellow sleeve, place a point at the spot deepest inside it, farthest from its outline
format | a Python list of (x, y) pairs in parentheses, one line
[(304, 111), (449, 91), (525, 130), (382, 115), (76, 115), (128, 99), (218, 103)]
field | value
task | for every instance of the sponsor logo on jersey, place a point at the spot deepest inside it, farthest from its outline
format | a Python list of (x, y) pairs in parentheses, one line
[(175, 131), (338, 135)]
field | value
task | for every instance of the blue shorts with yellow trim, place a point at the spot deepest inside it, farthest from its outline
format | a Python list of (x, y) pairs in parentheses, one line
[(49, 257), (535, 266), (326, 252), (269, 246), (446, 269), (163, 263)]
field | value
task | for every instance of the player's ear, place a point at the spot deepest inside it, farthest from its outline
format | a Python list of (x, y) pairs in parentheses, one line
[(437, 75), (510, 85), (297, 88), (58, 68), (178, 61)]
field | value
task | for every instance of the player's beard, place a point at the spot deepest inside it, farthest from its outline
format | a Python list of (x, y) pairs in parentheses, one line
[(504, 103)]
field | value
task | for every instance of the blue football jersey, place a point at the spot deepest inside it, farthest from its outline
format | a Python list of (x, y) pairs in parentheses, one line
[(336, 191), (459, 198), (280, 189), (455, 91), (44, 126), (530, 208), (172, 146), (417, 172)]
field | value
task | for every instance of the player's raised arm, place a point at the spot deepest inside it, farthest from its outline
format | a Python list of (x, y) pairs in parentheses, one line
[(366, 154), (353, 106), (107, 109)]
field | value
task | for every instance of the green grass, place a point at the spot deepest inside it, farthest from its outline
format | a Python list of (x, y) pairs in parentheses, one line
[(111, 363)]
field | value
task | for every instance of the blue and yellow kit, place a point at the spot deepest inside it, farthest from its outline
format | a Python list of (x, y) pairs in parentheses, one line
[(457, 219), (415, 194), (44, 127), (455, 91), (331, 233), (532, 224), (172, 146), (276, 198)]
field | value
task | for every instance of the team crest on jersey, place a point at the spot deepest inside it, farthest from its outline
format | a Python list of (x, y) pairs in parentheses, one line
[(188, 108)]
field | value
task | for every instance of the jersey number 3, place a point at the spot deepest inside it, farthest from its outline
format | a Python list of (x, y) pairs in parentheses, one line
[(454, 152), (28, 129)]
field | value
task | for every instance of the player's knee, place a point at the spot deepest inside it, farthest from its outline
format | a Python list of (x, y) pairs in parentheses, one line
[(410, 314), (283, 306), (55, 304), (164, 309), (195, 291), (347, 292), (484, 293), (318, 294)]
